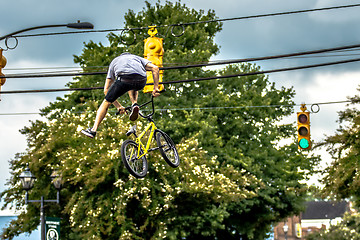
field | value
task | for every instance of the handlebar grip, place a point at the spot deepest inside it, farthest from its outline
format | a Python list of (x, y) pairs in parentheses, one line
[(126, 110)]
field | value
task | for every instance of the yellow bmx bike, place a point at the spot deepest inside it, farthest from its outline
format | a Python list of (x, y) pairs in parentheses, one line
[(133, 153)]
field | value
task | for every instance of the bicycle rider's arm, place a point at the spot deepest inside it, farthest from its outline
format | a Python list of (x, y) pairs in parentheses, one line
[(107, 86), (155, 73)]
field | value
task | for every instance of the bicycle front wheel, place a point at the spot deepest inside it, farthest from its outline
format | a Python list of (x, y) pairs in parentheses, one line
[(167, 148), (138, 167)]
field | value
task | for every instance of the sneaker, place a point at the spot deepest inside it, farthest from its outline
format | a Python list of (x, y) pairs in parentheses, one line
[(134, 112), (88, 132)]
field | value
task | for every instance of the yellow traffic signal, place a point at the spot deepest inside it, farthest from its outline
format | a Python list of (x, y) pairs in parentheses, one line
[(303, 129), (153, 51), (2, 65)]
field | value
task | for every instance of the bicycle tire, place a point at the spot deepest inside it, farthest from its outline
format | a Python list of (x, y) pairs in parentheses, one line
[(167, 148), (137, 167)]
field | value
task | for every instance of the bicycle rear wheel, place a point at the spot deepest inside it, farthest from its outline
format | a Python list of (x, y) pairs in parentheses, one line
[(167, 148), (138, 167)]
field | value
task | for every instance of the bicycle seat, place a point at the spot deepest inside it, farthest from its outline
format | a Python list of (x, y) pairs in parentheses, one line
[(131, 131)]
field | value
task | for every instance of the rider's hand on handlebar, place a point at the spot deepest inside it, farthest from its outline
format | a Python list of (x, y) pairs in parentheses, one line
[(156, 92), (121, 110)]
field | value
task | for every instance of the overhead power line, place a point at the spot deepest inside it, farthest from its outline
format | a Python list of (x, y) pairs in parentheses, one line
[(78, 69), (196, 79), (274, 14), (312, 52), (297, 54), (267, 71), (199, 108), (198, 22)]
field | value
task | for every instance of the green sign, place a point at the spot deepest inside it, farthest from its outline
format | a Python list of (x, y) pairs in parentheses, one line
[(52, 228)]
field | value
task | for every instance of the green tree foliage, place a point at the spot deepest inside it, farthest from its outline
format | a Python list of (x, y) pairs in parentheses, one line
[(100, 200), (342, 179), (234, 179)]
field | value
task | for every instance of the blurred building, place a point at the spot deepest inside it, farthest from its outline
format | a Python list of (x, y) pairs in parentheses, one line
[(317, 215)]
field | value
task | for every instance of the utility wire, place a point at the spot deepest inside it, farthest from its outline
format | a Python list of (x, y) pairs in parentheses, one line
[(265, 71), (271, 14), (80, 70), (197, 22), (57, 68), (268, 57), (340, 53), (196, 79), (199, 108), (325, 50)]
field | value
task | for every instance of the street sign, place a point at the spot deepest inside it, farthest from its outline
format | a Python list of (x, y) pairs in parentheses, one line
[(52, 228)]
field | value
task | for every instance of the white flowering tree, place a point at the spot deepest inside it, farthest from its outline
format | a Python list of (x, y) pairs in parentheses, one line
[(100, 200), (234, 180)]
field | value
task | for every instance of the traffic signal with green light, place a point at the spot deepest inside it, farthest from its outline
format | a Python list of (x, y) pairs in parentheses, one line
[(303, 130)]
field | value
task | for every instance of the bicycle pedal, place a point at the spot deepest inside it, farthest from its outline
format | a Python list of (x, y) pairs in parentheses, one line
[(131, 131)]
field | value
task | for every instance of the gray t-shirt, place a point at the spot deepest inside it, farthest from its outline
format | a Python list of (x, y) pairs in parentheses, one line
[(127, 64)]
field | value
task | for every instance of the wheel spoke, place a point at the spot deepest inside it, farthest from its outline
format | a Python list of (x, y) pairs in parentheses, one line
[(134, 160), (167, 149), (135, 163)]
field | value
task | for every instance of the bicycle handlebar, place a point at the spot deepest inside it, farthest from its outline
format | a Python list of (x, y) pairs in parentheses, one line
[(127, 109)]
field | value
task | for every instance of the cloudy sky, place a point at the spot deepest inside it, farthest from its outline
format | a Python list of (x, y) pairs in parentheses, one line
[(239, 39)]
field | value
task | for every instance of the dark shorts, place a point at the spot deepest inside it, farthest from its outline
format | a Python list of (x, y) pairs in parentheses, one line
[(123, 85)]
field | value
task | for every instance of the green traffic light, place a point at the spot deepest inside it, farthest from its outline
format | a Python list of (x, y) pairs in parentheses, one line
[(304, 143)]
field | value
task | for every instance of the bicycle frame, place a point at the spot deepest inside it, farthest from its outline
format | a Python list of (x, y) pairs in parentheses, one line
[(133, 153), (150, 127)]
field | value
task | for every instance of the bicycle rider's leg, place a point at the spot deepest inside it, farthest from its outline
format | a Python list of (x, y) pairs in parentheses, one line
[(100, 115), (133, 94), (115, 91)]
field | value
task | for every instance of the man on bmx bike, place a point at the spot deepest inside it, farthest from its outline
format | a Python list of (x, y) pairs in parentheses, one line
[(127, 73)]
